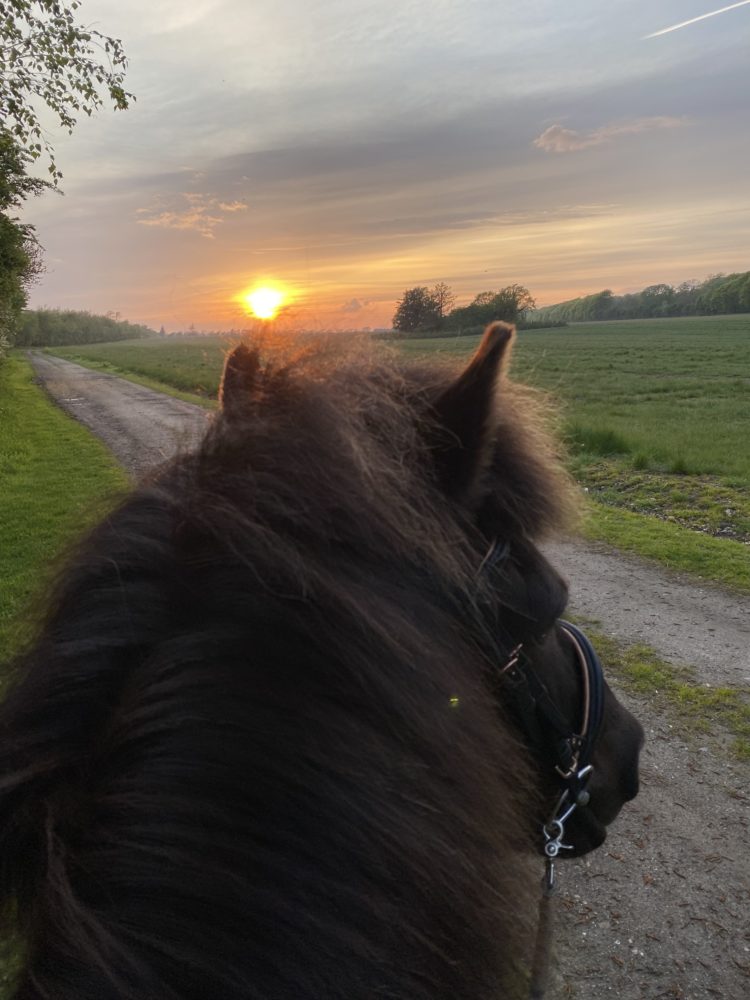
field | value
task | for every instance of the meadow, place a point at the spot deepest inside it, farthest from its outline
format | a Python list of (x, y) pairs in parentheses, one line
[(189, 365), (655, 415), (674, 395)]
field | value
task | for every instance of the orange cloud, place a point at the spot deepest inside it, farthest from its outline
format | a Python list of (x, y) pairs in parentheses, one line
[(199, 212), (355, 305), (557, 139)]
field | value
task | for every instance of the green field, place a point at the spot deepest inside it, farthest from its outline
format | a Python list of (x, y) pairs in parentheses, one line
[(54, 479), (674, 395), (656, 417), (192, 366)]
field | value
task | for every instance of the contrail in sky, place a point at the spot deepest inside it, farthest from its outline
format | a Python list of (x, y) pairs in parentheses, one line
[(684, 24)]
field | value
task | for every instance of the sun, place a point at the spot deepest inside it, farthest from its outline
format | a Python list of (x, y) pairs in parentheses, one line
[(264, 302)]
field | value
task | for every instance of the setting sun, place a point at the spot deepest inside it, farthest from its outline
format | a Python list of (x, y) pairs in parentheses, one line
[(264, 302)]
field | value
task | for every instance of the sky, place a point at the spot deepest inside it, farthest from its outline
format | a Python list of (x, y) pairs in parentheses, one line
[(347, 150)]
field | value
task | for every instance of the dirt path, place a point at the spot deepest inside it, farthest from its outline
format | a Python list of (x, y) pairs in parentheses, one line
[(663, 909), (141, 427), (685, 622)]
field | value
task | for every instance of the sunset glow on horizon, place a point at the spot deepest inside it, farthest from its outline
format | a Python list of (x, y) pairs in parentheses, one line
[(470, 150)]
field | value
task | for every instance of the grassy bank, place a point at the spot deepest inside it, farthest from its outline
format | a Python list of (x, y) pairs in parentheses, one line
[(53, 475), (710, 559)]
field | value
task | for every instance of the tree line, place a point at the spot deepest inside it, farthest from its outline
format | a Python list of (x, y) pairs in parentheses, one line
[(718, 294), (433, 310), (55, 327)]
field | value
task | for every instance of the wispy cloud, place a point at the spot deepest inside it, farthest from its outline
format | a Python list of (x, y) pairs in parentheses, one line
[(557, 139), (198, 212), (232, 206), (694, 20), (355, 305)]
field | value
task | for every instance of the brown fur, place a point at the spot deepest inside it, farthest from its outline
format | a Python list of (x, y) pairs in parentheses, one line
[(230, 766)]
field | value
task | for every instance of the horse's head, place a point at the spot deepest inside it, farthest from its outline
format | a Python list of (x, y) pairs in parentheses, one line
[(495, 471), (496, 468)]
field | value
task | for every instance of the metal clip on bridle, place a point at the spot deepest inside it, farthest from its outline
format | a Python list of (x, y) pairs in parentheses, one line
[(554, 829)]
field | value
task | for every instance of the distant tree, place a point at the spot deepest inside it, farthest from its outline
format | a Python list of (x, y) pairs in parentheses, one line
[(513, 302), (601, 305), (444, 299), (416, 310), (510, 304), (657, 300)]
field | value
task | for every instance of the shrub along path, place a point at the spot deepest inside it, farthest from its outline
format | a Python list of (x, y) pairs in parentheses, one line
[(663, 908)]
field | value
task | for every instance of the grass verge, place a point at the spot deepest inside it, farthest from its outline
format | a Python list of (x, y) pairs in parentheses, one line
[(717, 560), (700, 708), (706, 504), (52, 473)]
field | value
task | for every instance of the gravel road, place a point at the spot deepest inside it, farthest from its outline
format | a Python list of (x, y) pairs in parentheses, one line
[(662, 910), (702, 626), (141, 427)]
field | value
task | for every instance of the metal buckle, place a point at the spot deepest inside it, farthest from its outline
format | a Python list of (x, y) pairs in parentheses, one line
[(554, 833), (554, 828), (515, 655), (575, 744)]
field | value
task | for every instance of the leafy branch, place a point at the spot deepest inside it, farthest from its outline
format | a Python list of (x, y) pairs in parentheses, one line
[(46, 58)]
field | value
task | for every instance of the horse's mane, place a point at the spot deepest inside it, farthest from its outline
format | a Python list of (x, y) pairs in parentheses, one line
[(229, 764)]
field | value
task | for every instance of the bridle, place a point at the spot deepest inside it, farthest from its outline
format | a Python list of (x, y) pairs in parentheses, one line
[(570, 746), (572, 749), (542, 723)]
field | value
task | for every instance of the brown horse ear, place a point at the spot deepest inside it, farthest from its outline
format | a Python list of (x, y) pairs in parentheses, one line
[(239, 380), (465, 411)]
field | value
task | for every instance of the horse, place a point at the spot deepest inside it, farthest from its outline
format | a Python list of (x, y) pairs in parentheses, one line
[(264, 744)]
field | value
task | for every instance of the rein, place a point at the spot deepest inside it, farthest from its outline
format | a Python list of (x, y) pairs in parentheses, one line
[(538, 716)]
